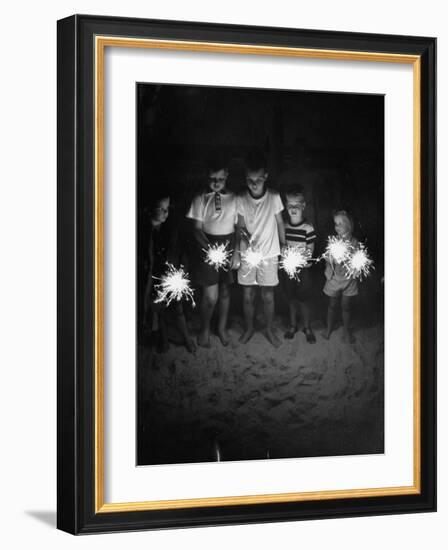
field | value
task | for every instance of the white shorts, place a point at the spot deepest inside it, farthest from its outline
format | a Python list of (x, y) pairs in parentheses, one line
[(265, 274)]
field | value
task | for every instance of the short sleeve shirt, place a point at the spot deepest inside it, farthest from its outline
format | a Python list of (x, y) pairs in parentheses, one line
[(299, 235), (259, 218), (216, 211)]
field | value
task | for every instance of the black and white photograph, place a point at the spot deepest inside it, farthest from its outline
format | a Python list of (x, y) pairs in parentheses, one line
[(260, 243)]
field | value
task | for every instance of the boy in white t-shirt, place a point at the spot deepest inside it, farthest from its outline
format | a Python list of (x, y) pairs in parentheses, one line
[(260, 228), (214, 215)]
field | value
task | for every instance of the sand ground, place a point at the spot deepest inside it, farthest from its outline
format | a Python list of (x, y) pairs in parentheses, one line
[(254, 401)]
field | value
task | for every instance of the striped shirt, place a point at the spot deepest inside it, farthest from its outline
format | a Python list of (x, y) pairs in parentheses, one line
[(299, 235)]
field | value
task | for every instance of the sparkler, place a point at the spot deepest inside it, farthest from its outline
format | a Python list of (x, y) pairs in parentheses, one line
[(359, 264), (338, 250), (293, 260), (174, 285), (252, 257), (217, 255)]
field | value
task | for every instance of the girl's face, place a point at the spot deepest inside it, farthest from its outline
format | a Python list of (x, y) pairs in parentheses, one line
[(217, 180), (161, 211), (342, 226)]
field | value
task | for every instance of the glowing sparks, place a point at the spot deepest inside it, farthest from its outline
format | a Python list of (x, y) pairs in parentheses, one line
[(174, 285), (354, 259), (293, 260), (252, 257), (359, 264), (218, 256), (338, 250)]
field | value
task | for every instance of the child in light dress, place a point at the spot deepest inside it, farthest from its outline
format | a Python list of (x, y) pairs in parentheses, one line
[(339, 287)]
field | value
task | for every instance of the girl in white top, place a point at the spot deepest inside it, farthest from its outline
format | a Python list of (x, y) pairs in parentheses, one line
[(215, 216)]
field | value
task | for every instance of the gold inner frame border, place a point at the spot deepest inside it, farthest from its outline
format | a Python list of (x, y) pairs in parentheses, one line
[(101, 42)]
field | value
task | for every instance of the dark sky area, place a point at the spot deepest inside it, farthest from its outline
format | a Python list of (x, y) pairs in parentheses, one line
[(331, 144)]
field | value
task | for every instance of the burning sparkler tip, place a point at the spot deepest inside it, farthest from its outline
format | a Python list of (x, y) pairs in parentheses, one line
[(174, 286), (217, 255)]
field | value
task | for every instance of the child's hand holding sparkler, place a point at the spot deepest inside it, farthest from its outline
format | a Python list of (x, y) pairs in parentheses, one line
[(358, 264), (218, 256), (293, 260), (235, 261), (174, 285), (338, 250), (355, 260), (252, 256)]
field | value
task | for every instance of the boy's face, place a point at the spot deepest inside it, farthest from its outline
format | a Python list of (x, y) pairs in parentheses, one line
[(217, 180), (295, 205), (256, 180), (161, 211), (342, 226)]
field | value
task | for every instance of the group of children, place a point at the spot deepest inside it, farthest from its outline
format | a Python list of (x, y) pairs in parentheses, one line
[(257, 219)]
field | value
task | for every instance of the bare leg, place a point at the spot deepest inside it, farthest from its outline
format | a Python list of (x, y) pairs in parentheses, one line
[(331, 316), (183, 328), (306, 316), (346, 318), (224, 301), (289, 334), (267, 294), (162, 344), (208, 302), (249, 309), (148, 328)]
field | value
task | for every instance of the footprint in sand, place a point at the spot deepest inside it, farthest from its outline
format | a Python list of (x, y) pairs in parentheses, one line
[(311, 377), (255, 374), (273, 402), (283, 384)]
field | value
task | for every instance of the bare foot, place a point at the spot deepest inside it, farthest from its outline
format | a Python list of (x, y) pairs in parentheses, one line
[(190, 344), (204, 339), (223, 335), (247, 336), (272, 337), (309, 335), (289, 334), (348, 337)]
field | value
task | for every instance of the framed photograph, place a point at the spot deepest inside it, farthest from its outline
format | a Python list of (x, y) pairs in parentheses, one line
[(246, 274)]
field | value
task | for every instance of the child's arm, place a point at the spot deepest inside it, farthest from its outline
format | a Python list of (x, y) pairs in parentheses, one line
[(281, 229), (235, 260), (329, 270), (200, 235), (173, 249), (310, 247), (147, 299), (242, 234)]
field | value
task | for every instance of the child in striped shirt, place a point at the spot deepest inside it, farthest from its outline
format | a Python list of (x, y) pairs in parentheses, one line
[(299, 233)]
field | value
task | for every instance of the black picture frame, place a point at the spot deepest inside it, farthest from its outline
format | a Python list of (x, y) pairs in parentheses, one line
[(76, 475)]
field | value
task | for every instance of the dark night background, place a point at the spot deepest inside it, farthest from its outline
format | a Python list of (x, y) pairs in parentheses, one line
[(330, 144)]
